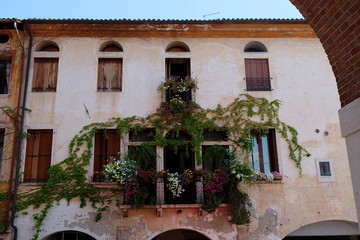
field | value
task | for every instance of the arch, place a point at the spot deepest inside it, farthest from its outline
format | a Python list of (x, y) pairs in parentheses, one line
[(47, 46), (177, 46), (255, 46), (110, 46), (181, 234), (326, 228), (69, 235)]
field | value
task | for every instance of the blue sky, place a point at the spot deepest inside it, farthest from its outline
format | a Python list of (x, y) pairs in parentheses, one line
[(148, 9)]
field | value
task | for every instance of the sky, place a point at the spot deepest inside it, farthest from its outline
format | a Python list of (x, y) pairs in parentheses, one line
[(148, 9)]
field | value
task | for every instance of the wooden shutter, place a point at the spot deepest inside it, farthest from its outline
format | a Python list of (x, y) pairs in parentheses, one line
[(45, 74), (110, 74), (106, 145), (38, 155), (257, 75)]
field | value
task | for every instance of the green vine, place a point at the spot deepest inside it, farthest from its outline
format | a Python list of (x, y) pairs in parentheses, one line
[(68, 179)]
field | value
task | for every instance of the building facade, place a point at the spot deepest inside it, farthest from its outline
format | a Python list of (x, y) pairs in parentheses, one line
[(85, 72)]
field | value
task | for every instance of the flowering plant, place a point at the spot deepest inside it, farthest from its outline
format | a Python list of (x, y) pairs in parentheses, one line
[(268, 176), (177, 84), (121, 171), (98, 176), (186, 177), (241, 170), (214, 182), (174, 184)]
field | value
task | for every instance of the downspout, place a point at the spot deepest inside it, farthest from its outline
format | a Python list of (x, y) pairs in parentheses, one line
[(19, 140)]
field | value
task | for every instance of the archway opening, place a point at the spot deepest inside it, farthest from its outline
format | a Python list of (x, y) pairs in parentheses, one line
[(69, 235), (181, 234)]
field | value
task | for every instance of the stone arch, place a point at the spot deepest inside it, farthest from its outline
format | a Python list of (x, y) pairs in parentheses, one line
[(47, 46), (69, 235), (181, 234), (177, 46), (325, 228)]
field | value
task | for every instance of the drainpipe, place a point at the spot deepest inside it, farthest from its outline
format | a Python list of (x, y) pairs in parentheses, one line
[(19, 140)]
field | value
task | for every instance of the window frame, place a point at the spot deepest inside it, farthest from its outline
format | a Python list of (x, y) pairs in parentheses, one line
[(29, 153), (7, 76), (98, 165), (262, 83), (325, 178), (38, 62), (272, 151), (108, 83)]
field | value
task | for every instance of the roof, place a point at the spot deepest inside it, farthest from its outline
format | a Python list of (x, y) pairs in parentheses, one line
[(166, 21)]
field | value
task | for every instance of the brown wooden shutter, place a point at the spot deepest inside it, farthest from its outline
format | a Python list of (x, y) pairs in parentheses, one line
[(106, 146), (45, 74), (110, 74), (257, 75), (38, 155)]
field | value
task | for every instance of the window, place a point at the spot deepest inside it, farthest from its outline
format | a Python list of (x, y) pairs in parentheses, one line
[(178, 67), (325, 170), (69, 235), (264, 154), (107, 144), (110, 75), (5, 69), (140, 148), (2, 136), (38, 155), (257, 75), (45, 74), (215, 149)]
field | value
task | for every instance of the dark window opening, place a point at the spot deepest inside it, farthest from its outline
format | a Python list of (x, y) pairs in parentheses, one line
[(257, 75), (38, 155), (178, 67), (5, 69), (45, 74), (4, 38), (107, 145), (325, 169), (214, 157), (144, 155), (178, 160), (255, 46), (112, 48), (70, 235), (215, 135), (264, 153), (177, 46), (50, 48), (2, 136), (110, 75), (144, 135)]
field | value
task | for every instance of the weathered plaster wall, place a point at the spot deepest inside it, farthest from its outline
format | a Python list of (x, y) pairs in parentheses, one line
[(302, 80)]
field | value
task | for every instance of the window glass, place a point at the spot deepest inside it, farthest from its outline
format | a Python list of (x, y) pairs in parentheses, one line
[(264, 155), (5, 69), (325, 169)]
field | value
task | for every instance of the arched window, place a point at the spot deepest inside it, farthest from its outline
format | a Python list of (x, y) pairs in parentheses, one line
[(110, 46), (46, 68), (110, 67), (47, 46), (69, 235), (177, 46), (255, 46), (184, 234)]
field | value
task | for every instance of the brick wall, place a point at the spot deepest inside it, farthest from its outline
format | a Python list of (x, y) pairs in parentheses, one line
[(337, 24)]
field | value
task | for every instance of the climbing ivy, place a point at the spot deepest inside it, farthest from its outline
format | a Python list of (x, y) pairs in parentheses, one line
[(69, 179)]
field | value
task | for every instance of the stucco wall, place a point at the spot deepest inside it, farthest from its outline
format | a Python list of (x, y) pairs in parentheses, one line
[(301, 78)]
